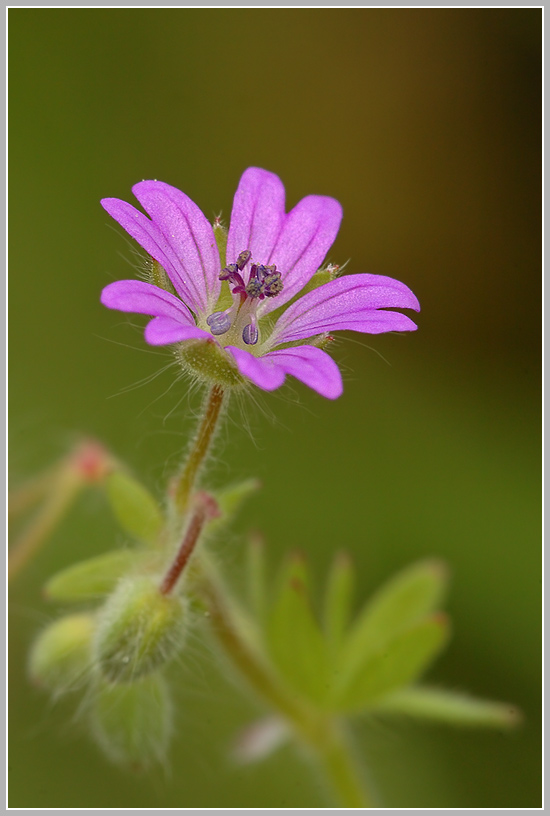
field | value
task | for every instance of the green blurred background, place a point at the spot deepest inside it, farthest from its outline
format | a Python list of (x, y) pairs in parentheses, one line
[(425, 124)]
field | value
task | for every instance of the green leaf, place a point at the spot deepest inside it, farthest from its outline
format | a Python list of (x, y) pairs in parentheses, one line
[(405, 599), (294, 637), (132, 723), (338, 599), (136, 510), (90, 579), (450, 708), (396, 664), (230, 501)]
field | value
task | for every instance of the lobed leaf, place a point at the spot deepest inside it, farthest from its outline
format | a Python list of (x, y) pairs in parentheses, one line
[(395, 664), (450, 708), (403, 601), (338, 600)]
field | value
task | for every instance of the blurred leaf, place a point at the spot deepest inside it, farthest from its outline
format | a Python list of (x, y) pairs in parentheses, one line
[(230, 501), (135, 508), (295, 640), (405, 599), (90, 579), (338, 599), (396, 664), (450, 708)]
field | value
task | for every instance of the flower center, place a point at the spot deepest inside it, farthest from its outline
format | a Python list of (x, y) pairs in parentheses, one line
[(263, 281)]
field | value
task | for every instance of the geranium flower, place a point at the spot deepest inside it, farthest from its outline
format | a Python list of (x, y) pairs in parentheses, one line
[(271, 257)]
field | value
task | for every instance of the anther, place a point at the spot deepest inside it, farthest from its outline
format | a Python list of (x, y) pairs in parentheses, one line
[(219, 322), (243, 259), (250, 335)]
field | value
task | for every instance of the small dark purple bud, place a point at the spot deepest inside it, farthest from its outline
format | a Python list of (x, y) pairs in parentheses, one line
[(243, 259), (250, 335), (219, 323)]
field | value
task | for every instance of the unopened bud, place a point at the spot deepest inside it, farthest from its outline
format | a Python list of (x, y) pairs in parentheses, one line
[(139, 630), (132, 723), (60, 657)]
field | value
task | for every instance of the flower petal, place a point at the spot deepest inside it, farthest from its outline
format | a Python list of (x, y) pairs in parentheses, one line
[(149, 236), (312, 366), (161, 331), (257, 216), (352, 302), (261, 370), (309, 364), (144, 298), (191, 237), (307, 234)]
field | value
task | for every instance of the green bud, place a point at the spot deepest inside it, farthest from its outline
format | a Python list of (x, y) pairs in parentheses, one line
[(209, 362), (139, 630), (90, 579), (136, 510), (60, 657), (132, 723)]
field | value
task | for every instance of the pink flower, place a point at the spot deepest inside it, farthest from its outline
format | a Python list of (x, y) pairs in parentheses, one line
[(271, 257)]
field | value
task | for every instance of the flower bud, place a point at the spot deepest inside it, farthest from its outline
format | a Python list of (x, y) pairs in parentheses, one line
[(139, 630), (132, 723), (60, 656)]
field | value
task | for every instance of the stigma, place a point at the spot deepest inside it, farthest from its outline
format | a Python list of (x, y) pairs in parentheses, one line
[(263, 282)]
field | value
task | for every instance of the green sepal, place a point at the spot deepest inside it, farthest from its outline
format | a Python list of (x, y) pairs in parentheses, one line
[(60, 657), (135, 509), (294, 637), (209, 362), (338, 600), (132, 723), (220, 234), (230, 500), (450, 708), (158, 277), (396, 664), (403, 601), (90, 579)]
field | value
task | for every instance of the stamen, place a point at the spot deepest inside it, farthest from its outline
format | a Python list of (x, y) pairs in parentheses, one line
[(243, 259), (250, 334), (219, 322)]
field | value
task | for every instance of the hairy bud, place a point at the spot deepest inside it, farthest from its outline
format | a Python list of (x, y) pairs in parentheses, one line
[(139, 630), (60, 656)]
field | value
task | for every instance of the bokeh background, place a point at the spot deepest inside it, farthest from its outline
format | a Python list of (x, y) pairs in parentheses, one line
[(425, 124)]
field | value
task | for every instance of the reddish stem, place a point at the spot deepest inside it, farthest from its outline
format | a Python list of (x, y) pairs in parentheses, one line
[(205, 508)]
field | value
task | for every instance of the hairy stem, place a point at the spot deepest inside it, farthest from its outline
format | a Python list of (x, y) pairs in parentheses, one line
[(200, 447), (322, 734)]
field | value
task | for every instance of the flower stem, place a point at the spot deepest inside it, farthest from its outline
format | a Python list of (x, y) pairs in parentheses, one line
[(45, 521), (205, 508), (200, 447), (321, 734)]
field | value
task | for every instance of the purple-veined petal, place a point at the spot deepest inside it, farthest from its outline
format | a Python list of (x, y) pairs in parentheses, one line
[(257, 216), (352, 302), (309, 364), (306, 236), (144, 298), (161, 331), (261, 370), (191, 237), (150, 237), (312, 366)]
